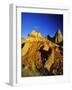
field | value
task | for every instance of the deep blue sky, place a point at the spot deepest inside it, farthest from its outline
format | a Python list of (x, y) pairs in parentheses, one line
[(47, 24)]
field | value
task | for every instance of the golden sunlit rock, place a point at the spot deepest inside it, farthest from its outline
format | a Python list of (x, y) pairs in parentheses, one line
[(41, 56)]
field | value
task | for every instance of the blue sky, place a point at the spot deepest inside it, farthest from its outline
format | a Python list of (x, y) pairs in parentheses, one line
[(46, 24)]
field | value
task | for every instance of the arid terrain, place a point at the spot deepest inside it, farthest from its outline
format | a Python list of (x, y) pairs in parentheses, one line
[(42, 56)]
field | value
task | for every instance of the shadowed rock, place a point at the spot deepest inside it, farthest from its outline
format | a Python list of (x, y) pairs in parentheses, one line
[(45, 72), (45, 54), (22, 45)]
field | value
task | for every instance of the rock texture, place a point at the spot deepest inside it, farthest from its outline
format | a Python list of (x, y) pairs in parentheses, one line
[(58, 36), (41, 56)]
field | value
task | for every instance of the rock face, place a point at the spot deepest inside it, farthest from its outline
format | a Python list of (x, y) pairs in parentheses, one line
[(40, 56), (58, 36), (34, 36)]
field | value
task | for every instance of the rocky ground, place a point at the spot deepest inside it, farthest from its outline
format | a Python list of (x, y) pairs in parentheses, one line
[(41, 57)]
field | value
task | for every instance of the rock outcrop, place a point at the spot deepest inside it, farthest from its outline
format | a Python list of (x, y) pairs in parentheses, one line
[(38, 55), (58, 36)]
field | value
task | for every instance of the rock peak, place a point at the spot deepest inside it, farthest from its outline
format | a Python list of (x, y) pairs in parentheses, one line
[(58, 36), (35, 34), (59, 32)]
